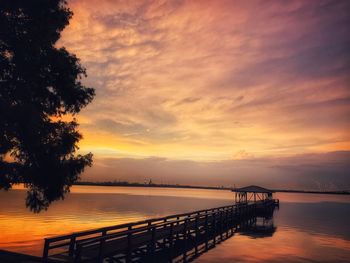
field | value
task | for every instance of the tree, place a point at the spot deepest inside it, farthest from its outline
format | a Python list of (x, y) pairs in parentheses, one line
[(39, 84)]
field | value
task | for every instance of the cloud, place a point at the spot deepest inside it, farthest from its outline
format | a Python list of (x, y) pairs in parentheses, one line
[(202, 80), (187, 100), (120, 128)]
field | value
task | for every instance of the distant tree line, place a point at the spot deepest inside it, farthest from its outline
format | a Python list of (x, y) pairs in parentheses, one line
[(150, 184)]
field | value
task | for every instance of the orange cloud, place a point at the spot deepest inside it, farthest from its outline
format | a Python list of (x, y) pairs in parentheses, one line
[(205, 80)]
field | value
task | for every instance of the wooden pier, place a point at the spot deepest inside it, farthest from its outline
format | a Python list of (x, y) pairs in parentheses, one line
[(176, 238)]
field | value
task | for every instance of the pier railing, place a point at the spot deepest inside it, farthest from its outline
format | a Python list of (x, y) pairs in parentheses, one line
[(69, 241), (146, 235)]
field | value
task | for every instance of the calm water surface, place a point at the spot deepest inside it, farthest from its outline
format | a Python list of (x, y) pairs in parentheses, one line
[(310, 227)]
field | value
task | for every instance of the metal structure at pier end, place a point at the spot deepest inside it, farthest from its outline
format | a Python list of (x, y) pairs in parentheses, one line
[(175, 238)]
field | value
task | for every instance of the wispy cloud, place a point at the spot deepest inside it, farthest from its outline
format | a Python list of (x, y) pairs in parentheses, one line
[(205, 80)]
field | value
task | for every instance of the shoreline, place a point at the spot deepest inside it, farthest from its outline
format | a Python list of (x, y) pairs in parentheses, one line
[(127, 184)]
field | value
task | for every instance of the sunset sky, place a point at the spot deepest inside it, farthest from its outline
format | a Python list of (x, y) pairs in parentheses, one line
[(216, 92)]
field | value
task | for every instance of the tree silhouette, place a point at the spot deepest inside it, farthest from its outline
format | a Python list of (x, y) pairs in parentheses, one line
[(39, 84)]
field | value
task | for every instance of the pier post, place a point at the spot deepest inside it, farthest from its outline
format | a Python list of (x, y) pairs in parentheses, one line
[(71, 246), (177, 219), (196, 235), (153, 243), (226, 222), (171, 241), (102, 242), (206, 231), (185, 241), (46, 251), (149, 245), (214, 228), (221, 224), (129, 248)]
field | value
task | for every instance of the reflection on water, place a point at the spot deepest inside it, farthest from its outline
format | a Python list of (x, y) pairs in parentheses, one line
[(259, 227), (307, 227)]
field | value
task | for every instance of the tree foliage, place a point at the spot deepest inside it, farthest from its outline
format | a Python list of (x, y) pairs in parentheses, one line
[(39, 84)]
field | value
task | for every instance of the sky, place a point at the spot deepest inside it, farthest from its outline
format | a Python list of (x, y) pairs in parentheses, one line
[(216, 92)]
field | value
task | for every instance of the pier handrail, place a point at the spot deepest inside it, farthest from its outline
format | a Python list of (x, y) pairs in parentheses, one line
[(147, 227), (100, 241), (126, 232), (71, 239)]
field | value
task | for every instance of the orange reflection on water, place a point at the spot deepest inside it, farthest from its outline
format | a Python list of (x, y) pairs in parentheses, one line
[(25, 232), (156, 191), (89, 207)]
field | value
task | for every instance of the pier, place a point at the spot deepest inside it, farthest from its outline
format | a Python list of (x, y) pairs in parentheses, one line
[(175, 238)]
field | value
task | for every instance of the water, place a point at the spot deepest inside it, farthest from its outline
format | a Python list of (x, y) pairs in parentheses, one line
[(309, 227)]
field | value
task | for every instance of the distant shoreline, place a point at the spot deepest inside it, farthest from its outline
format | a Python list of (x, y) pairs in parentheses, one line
[(125, 184)]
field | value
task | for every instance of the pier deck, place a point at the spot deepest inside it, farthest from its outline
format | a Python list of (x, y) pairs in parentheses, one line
[(170, 238)]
